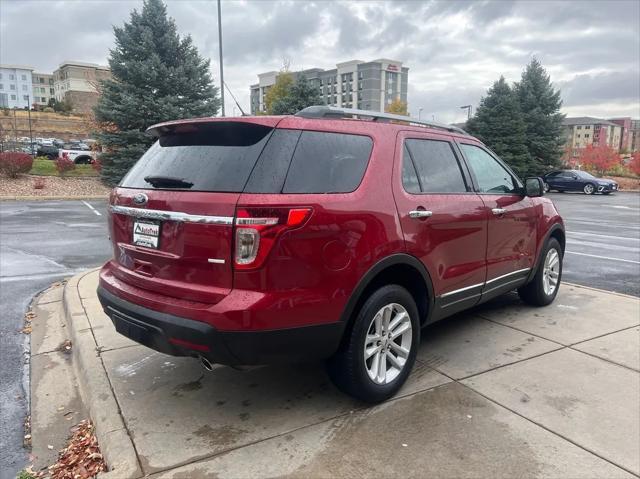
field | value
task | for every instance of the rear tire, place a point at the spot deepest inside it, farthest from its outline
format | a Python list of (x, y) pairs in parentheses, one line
[(546, 187), (358, 376), (542, 290)]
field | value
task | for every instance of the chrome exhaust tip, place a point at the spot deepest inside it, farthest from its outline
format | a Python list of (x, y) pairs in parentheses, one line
[(206, 364)]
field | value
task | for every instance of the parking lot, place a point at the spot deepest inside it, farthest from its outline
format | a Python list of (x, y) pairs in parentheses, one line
[(46, 241)]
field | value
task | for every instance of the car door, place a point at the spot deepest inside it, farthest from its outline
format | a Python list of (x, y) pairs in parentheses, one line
[(570, 181), (444, 222), (511, 239)]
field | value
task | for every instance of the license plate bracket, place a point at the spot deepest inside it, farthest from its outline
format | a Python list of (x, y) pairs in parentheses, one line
[(146, 233)]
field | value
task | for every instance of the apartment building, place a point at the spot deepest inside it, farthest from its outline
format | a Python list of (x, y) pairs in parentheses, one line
[(43, 89), (634, 134), (353, 84), (583, 131), (15, 86), (78, 83)]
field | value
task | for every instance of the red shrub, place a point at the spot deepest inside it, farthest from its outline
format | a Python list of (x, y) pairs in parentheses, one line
[(635, 163), (97, 165), (12, 163), (599, 158), (64, 164)]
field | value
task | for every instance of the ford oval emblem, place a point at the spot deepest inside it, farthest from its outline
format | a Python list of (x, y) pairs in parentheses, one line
[(140, 199)]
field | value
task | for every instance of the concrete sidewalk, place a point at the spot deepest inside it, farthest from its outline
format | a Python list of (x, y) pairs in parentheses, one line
[(503, 391)]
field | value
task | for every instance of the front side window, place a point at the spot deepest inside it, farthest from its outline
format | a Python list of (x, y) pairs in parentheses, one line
[(436, 165), (491, 176)]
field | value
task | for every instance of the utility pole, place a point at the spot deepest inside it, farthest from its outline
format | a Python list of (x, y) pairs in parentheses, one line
[(468, 108), (420, 113), (221, 68)]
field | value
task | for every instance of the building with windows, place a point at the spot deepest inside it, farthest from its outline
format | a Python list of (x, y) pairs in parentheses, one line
[(43, 89), (634, 135), (353, 84), (15, 86), (78, 83), (583, 131)]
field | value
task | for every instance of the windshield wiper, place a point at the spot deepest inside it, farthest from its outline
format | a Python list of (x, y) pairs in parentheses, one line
[(167, 182)]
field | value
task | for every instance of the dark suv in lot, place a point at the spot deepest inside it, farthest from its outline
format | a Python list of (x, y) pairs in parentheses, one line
[(332, 234)]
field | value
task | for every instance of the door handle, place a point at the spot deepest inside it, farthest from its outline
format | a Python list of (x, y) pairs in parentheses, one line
[(498, 211), (420, 214)]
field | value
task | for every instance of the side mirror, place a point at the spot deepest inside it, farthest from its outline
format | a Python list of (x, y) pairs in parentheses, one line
[(533, 186)]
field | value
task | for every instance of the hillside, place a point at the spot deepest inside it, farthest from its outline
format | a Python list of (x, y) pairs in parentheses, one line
[(15, 123)]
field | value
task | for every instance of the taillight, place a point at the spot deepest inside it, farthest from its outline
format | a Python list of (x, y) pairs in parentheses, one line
[(257, 230)]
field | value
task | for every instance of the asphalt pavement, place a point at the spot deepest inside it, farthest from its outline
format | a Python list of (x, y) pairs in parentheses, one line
[(603, 240), (40, 242)]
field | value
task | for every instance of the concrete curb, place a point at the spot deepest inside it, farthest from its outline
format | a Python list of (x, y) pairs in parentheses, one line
[(46, 198), (95, 388)]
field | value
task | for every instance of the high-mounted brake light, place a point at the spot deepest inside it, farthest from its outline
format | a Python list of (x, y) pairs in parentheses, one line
[(258, 230)]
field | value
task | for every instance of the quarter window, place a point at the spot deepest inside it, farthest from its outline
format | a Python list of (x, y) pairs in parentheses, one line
[(328, 163), (492, 177), (436, 166)]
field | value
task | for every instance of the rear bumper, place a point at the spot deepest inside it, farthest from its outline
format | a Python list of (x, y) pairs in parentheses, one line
[(186, 337)]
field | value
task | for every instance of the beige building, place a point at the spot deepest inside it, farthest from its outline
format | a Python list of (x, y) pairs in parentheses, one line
[(43, 89), (78, 83), (583, 131)]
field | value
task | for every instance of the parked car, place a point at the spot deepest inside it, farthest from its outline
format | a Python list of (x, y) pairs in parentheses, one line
[(577, 180), (257, 240), (49, 151), (79, 157)]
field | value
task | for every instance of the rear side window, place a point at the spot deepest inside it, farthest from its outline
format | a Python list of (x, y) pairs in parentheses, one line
[(328, 163), (437, 167), (216, 157)]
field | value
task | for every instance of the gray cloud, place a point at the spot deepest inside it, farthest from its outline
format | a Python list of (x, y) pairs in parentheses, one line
[(455, 49)]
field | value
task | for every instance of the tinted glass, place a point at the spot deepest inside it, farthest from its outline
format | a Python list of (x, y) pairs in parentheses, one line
[(492, 177), (212, 157), (584, 174), (409, 176), (269, 174), (328, 163), (437, 167)]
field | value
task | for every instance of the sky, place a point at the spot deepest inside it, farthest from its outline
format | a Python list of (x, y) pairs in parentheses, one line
[(454, 49)]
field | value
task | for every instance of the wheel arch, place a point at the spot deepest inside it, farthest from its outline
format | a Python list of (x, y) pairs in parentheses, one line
[(82, 159), (555, 231), (402, 269)]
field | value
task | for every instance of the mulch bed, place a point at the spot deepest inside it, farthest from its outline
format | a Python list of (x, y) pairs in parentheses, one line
[(25, 185)]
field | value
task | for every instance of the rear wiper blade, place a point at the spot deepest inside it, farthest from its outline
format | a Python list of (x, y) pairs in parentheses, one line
[(167, 182)]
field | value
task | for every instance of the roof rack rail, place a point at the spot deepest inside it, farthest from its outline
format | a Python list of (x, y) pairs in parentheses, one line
[(322, 111)]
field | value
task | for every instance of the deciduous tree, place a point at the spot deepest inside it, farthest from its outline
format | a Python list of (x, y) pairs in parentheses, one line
[(598, 158), (397, 107), (278, 91), (300, 95), (157, 76)]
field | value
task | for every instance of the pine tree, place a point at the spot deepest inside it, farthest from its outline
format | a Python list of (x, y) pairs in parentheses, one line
[(499, 124), (157, 76), (540, 105), (299, 96)]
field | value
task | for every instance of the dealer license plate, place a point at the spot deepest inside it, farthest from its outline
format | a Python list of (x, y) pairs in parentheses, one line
[(146, 233)]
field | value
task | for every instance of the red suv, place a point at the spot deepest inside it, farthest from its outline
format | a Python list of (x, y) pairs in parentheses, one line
[(332, 234)]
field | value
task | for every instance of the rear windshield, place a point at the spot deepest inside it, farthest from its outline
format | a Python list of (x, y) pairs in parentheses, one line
[(218, 157), (236, 157)]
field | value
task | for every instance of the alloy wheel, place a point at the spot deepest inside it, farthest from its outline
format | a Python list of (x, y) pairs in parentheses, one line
[(388, 343), (551, 272), (546, 187), (588, 189)]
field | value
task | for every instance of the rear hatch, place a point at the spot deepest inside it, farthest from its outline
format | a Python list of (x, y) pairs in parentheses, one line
[(172, 215)]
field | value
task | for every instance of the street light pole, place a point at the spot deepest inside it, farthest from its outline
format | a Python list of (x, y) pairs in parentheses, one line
[(468, 108), (220, 46), (30, 131)]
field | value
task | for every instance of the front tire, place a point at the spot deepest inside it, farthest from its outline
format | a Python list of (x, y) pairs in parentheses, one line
[(380, 349), (589, 189), (542, 290)]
